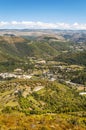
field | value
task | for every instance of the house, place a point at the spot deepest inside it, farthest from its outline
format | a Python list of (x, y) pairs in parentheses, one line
[(18, 71), (82, 93), (41, 62)]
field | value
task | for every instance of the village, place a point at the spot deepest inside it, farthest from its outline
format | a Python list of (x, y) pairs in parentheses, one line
[(46, 69)]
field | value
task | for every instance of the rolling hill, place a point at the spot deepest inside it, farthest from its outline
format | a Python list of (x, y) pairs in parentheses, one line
[(38, 97), (20, 47)]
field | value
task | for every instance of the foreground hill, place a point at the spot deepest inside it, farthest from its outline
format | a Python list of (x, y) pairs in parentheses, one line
[(42, 122), (37, 97), (50, 105)]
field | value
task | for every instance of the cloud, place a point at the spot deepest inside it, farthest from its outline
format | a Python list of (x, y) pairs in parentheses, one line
[(79, 26), (40, 25), (2, 24)]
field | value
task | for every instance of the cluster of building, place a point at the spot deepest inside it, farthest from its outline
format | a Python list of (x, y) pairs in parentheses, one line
[(12, 75)]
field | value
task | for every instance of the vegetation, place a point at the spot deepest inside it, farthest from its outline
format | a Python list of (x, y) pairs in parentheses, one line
[(45, 101), (42, 122), (53, 97), (54, 106), (80, 77), (73, 58)]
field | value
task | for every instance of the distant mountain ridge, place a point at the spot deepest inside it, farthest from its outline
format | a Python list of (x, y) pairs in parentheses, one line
[(71, 35)]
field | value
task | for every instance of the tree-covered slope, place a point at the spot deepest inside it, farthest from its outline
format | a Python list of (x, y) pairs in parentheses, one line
[(72, 58), (37, 97), (20, 47)]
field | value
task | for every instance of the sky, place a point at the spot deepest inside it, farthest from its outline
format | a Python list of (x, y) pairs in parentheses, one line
[(50, 14)]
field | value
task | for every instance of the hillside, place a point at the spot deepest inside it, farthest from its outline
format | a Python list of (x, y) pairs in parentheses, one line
[(17, 46), (34, 76), (45, 46), (72, 58), (18, 42), (47, 104), (42, 122), (37, 97)]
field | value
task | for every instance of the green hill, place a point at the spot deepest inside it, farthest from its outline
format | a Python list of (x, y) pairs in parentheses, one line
[(14, 50), (23, 47), (37, 97), (20, 47), (72, 58)]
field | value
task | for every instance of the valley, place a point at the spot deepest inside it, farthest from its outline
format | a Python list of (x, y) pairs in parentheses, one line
[(42, 79)]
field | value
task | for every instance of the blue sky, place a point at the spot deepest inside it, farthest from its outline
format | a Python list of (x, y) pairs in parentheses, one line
[(64, 12)]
